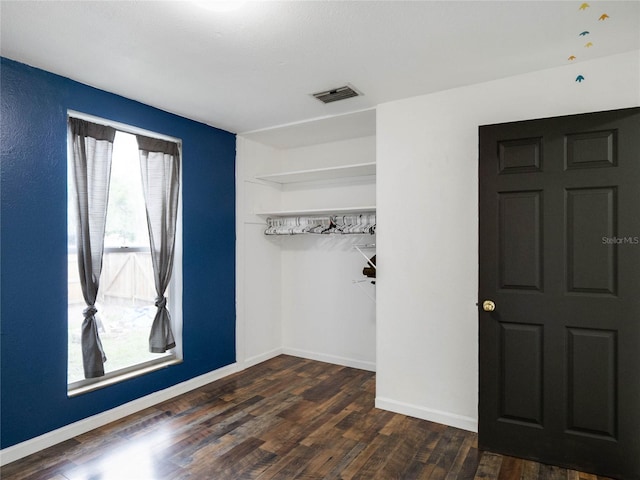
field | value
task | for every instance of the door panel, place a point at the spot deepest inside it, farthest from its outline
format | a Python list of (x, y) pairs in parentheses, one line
[(560, 257), (521, 155), (520, 240), (592, 400), (593, 149), (521, 376), (591, 216)]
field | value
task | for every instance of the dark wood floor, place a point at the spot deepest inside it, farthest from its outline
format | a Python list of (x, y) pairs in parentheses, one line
[(287, 418)]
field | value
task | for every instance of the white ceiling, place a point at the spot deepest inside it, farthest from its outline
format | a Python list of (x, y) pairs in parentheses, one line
[(254, 67)]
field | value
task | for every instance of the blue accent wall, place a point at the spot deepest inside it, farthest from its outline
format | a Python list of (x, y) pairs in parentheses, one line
[(33, 328)]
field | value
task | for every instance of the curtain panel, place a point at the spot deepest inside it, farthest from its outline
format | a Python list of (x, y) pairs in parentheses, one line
[(160, 167), (92, 148)]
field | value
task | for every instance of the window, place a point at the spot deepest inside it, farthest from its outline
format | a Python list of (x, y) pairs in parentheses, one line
[(126, 295)]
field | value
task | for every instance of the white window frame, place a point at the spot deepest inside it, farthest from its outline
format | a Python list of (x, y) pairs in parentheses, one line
[(174, 299)]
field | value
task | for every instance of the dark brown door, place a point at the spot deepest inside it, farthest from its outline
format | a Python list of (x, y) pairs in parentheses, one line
[(560, 259)]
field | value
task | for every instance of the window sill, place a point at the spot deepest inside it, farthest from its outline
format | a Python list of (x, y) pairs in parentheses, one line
[(116, 377)]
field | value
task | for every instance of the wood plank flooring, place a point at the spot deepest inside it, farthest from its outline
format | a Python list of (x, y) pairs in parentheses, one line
[(287, 418)]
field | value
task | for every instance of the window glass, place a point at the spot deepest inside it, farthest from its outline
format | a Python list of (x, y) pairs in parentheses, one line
[(126, 218)]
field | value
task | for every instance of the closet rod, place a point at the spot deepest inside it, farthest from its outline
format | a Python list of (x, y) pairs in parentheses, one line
[(326, 224)]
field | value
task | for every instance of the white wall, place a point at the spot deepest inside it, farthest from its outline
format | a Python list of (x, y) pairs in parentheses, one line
[(336, 193), (427, 154), (258, 263), (295, 294), (325, 316)]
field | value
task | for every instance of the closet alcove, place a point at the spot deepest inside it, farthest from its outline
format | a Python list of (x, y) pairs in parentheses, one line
[(306, 294)]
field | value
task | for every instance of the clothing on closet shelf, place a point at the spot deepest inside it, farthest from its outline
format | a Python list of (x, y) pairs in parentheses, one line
[(297, 225), (364, 223), (339, 224), (370, 269)]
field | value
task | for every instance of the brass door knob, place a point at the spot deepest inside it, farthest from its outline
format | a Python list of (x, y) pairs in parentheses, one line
[(488, 306)]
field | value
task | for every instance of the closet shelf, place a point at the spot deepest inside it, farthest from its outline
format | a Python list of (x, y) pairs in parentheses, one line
[(318, 211), (322, 174)]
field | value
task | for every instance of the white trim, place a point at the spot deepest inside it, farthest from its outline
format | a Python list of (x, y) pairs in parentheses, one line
[(176, 282), (336, 360), (263, 357), (28, 447), (307, 121), (91, 384), (320, 211), (123, 127), (321, 174), (46, 440), (437, 416)]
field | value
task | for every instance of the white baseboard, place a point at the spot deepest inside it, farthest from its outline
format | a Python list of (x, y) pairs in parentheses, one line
[(20, 450), (263, 357), (322, 357), (437, 416), (28, 447)]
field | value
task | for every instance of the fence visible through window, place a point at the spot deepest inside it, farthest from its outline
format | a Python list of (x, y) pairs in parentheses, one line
[(125, 311)]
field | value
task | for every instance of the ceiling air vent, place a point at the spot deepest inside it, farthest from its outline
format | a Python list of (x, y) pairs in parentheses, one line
[(336, 94)]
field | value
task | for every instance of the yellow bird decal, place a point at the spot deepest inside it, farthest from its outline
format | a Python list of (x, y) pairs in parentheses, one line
[(588, 45), (604, 16), (572, 58), (584, 6)]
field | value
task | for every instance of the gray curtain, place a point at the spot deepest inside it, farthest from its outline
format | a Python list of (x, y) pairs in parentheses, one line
[(160, 167), (92, 148)]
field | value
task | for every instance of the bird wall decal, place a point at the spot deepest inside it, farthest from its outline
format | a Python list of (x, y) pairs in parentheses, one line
[(584, 6), (586, 32), (579, 79), (572, 58), (604, 16), (588, 45)]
